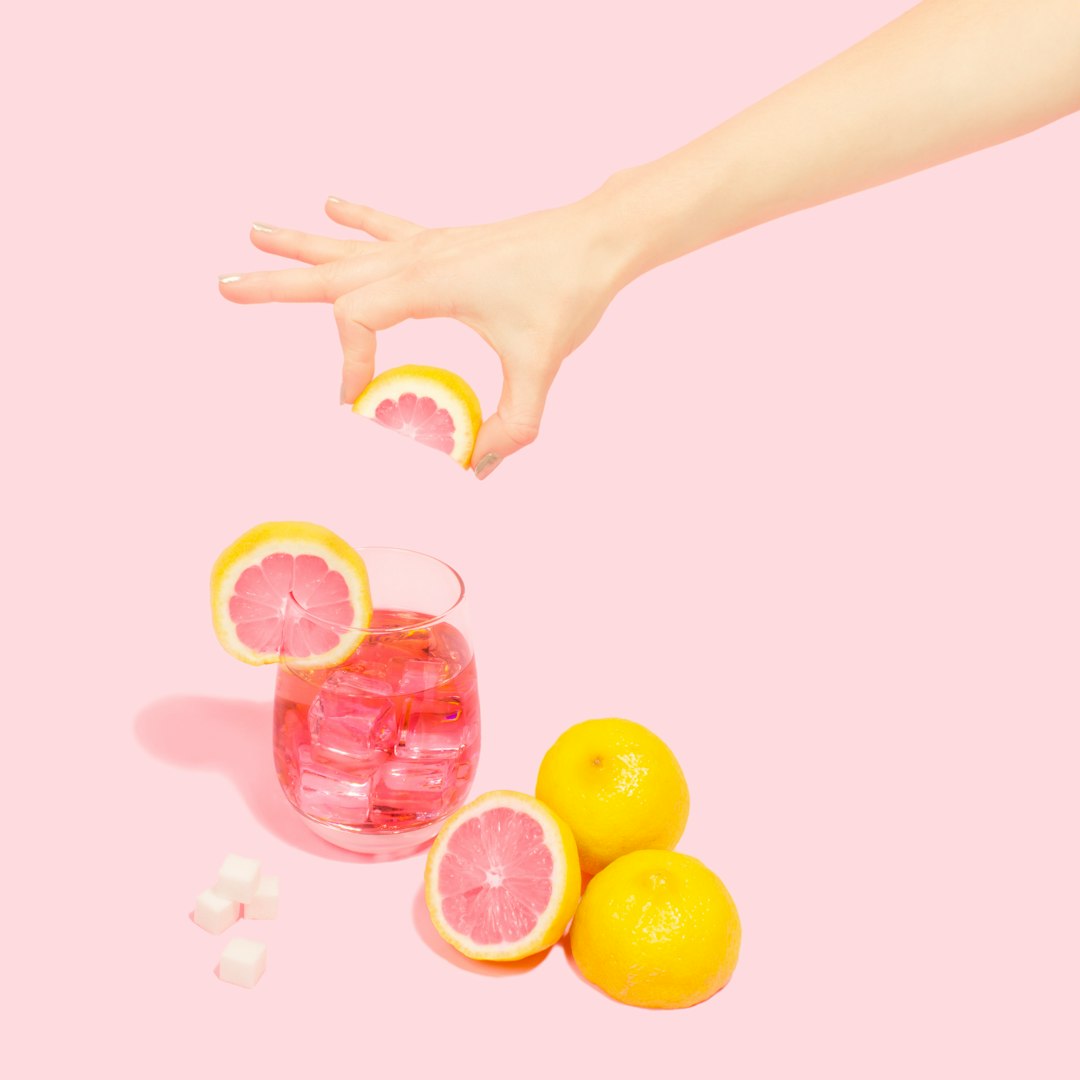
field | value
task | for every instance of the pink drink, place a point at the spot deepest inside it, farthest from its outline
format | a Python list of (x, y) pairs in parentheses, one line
[(386, 743)]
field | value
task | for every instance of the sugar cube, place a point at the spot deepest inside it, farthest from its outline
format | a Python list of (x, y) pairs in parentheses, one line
[(238, 878), (215, 912), (243, 962), (263, 904)]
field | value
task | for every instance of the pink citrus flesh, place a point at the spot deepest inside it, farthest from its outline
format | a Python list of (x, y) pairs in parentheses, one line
[(290, 590), (435, 407), (503, 878), (284, 602), (418, 418)]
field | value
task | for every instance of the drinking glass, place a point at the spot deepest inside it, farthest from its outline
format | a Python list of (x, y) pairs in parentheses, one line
[(375, 753)]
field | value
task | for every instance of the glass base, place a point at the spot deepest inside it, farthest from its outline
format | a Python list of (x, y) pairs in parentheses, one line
[(390, 845)]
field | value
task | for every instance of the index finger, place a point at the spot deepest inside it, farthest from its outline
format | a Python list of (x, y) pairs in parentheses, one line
[(295, 285), (322, 283)]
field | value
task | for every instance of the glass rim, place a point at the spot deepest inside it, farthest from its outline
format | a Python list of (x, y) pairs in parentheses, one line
[(431, 620)]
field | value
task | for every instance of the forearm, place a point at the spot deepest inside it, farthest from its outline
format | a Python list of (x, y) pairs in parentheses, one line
[(946, 78)]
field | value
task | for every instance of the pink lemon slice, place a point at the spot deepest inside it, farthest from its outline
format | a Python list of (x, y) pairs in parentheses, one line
[(435, 407), (291, 591), (502, 879)]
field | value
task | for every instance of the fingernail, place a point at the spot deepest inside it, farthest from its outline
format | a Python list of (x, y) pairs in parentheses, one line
[(486, 465), (258, 226), (344, 397), (333, 198), (229, 279)]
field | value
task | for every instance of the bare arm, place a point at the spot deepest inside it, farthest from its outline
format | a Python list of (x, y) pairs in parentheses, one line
[(946, 78)]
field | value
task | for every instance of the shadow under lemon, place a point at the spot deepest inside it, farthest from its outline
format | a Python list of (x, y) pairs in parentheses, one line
[(234, 738)]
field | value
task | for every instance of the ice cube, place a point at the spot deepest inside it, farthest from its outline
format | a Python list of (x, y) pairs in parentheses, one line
[(346, 719), (416, 777), (406, 791), (408, 645), (369, 679), (450, 643), (330, 794), (416, 676), (435, 729), (369, 663), (356, 766)]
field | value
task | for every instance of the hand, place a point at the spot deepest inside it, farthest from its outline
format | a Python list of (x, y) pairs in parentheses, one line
[(532, 287)]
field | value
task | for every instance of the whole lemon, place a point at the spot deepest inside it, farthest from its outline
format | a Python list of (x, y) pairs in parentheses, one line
[(618, 787), (657, 929)]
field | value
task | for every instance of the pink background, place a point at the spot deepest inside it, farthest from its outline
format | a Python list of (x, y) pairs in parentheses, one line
[(805, 504)]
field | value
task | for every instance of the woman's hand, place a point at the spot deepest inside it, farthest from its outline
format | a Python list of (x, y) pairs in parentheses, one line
[(944, 79), (532, 287)]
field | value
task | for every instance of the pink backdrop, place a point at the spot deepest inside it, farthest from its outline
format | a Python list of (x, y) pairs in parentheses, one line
[(805, 504)]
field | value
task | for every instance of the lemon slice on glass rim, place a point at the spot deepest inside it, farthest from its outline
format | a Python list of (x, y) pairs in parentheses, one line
[(290, 591)]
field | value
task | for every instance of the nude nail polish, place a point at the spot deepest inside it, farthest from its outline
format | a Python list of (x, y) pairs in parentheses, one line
[(486, 465), (229, 279), (258, 226)]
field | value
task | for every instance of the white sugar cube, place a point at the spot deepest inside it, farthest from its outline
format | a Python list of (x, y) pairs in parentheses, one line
[(243, 962), (238, 878), (215, 912), (263, 905)]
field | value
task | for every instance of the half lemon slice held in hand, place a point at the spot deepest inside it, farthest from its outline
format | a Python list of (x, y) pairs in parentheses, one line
[(290, 591), (431, 405)]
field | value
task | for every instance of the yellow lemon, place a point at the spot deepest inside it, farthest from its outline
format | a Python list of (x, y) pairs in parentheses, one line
[(431, 405), (618, 787), (656, 929)]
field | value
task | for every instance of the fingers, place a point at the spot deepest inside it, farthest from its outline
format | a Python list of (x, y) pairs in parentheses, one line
[(373, 222), (324, 282), (337, 267), (306, 247), (515, 423), (378, 306), (278, 285)]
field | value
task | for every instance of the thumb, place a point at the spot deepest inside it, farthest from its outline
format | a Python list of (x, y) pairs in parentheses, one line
[(515, 423)]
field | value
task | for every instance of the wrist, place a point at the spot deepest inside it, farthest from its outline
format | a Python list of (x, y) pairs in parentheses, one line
[(617, 231), (649, 214)]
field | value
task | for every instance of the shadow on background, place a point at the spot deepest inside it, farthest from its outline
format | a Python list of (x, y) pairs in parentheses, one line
[(232, 738), (430, 937)]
